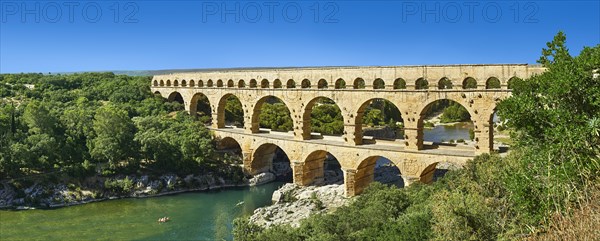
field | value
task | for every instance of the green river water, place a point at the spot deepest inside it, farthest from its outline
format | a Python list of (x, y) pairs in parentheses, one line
[(194, 216)]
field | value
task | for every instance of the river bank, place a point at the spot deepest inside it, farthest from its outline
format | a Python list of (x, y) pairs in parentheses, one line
[(94, 189)]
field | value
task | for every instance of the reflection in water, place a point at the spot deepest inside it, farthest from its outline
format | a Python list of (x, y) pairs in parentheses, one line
[(447, 132)]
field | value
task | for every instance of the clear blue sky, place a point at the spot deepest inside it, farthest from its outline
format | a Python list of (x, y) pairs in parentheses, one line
[(150, 35)]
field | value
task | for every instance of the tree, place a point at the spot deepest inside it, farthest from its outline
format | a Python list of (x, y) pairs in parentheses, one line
[(555, 118), (114, 135)]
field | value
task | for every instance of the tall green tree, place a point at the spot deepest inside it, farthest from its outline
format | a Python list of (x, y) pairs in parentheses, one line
[(114, 135)]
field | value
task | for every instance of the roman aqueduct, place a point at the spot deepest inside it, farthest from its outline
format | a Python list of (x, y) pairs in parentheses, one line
[(412, 89)]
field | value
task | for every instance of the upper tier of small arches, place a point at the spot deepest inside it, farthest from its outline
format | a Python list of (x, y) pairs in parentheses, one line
[(443, 83)]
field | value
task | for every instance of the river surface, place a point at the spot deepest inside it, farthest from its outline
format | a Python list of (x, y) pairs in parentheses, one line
[(447, 132), (194, 216)]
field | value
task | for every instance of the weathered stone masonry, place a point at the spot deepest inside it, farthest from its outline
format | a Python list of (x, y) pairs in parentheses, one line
[(300, 88)]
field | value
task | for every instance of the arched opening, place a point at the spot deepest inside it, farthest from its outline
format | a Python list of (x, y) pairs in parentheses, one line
[(305, 84), (168, 82), (155, 83), (200, 83), (200, 108), (322, 116), (264, 84), (192, 83), (230, 83), (359, 83), (499, 133), (492, 83), (512, 81), (291, 84), (183, 83), (446, 123), (445, 84), (399, 84), (271, 112), (270, 158), (162, 83), (340, 84), (378, 84), (157, 93), (175, 83), (378, 119), (229, 151), (209, 83), (178, 101), (322, 84), (230, 111), (241, 83), (469, 83), (421, 84), (219, 83), (253, 83), (277, 84), (379, 169), (322, 168)]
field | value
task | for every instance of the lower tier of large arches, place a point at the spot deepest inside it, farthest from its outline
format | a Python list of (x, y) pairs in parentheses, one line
[(357, 163)]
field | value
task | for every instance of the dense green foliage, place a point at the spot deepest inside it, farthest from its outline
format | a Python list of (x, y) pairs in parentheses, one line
[(276, 117), (326, 118), (72, 123), (455, 113), (555, 118)]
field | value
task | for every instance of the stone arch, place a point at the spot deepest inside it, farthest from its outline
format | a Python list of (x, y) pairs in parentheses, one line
[(427, 108), (445, 84), (322, 84), (229, 144), (183, 83), (291, 84), (427, 175), (255, 119), (253, 83), (200, 83), (157, 93), (307, 119), (224, 117), (305, 84), (396, 115), (340, 83), (230, 83), (155, 83), (192, 83), (378, 84), (175, 83), (264, 83), (421, 84), (201, 103), (209, 83), (263, 157), (492, 83), (162, 83), (365, 174), (469, 83), (168, 82), (359, 83), (219, 83), (277, 84), (315, 166), (177, 97), (241, 83), (510, 83), (399, 83)]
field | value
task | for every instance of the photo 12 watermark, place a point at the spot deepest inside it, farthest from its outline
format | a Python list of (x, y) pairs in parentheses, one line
[(69, 12), (469, 12), (270, 12)]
